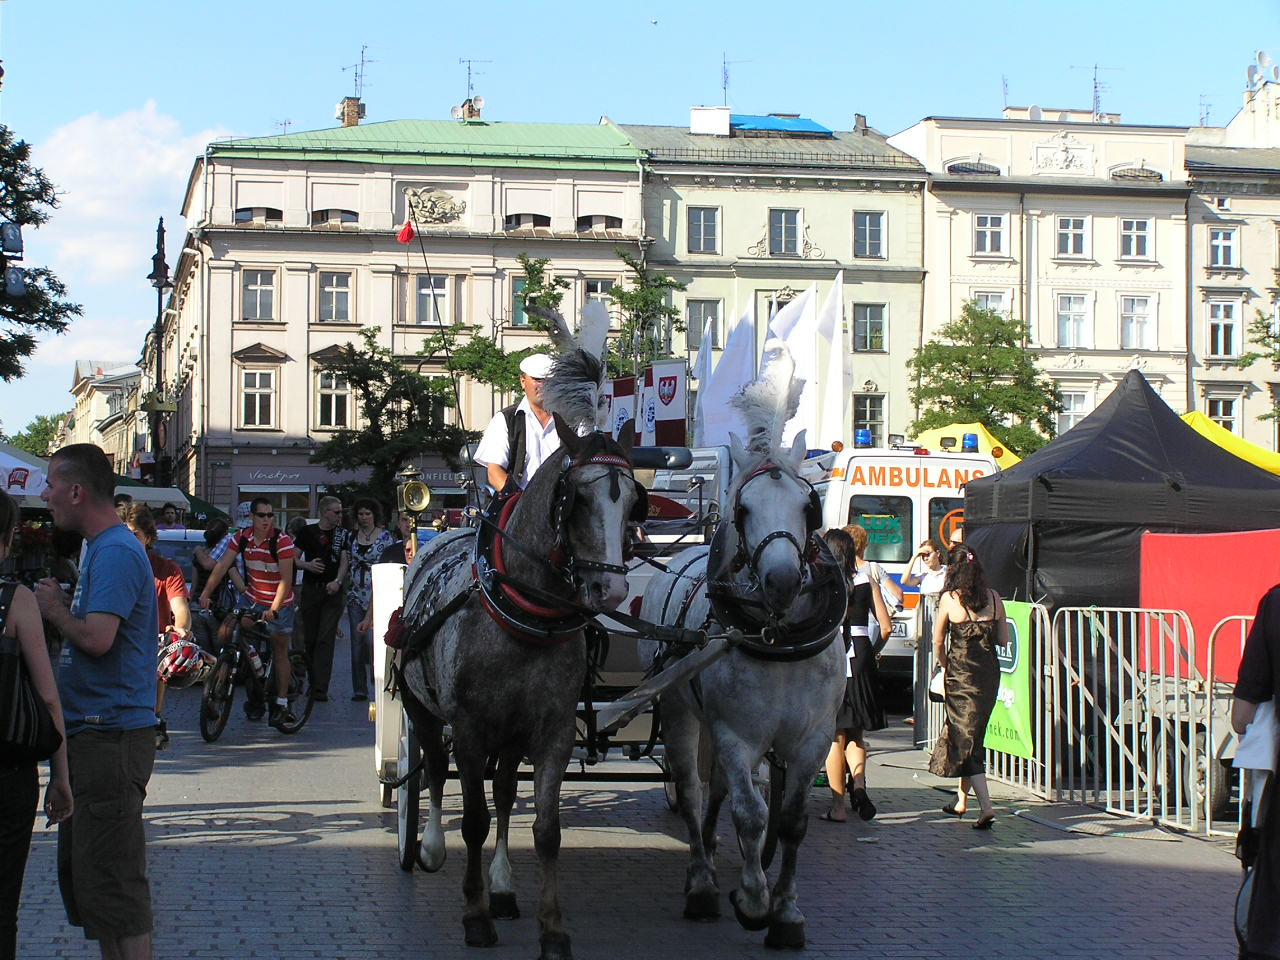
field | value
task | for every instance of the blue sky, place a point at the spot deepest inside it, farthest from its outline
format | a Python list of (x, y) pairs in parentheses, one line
[(119, 98)]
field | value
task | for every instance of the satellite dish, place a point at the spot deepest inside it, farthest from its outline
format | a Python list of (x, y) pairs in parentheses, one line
[(1275, 74), (456, 112), (1264, 59), (478, 102), (1064, 117), (1034, 113), (1253, 74)]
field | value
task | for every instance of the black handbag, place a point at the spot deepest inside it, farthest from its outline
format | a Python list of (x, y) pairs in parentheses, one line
[(27, 731)]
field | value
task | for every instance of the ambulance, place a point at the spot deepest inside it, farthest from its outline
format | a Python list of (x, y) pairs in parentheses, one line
[(901, 495)]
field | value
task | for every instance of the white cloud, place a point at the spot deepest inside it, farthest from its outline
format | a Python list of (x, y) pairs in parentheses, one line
[(115, 176)]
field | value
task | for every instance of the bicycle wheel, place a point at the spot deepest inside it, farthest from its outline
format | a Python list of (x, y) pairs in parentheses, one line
[(300, 699), (215, 700)]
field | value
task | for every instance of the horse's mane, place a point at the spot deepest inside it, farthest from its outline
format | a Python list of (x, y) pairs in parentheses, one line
[(769, 401)]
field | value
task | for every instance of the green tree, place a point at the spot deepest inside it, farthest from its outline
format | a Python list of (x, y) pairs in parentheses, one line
[(979, 369), (647, 318), (1264, 334), (26, 197), (38, 435), (402, 415)]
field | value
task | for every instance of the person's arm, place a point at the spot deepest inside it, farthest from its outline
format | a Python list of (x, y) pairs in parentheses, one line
[(910, 578), (284, 586), (94, 635), (881, 613), (24, 616), (344, 563), (1242, 713), (201, 556), (496, 476), (181, 611), (940, 621), (215, 577)]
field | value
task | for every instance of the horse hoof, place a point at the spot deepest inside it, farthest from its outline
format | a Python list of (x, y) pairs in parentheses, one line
[(431, 860), (703, 905), (785, 936), (502, 906), (555, 946), (479, 931), (748, 923)]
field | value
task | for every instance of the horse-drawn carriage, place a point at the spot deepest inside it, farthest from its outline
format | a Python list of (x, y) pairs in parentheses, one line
[(491, 650)]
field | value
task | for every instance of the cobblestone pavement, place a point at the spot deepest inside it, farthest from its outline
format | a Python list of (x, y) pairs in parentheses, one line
[(269, 846)]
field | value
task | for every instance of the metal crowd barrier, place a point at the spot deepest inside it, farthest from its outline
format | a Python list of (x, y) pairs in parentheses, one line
[(1035, 773), (1230, 634)]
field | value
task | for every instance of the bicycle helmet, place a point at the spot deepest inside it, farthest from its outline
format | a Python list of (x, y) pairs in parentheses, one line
[(181, 663)]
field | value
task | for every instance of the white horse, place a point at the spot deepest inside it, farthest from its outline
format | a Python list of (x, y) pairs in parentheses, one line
[(770, 575)]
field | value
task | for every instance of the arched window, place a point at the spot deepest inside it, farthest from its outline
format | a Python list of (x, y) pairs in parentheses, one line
[(586, 224), (973, 168), (333, 216), (259, 215), (523, 221)]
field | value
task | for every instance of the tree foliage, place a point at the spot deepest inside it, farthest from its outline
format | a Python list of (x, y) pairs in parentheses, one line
[(38, 435), (401, 414), (26, 197), (647, 319), (979, 369), (1264, 334)]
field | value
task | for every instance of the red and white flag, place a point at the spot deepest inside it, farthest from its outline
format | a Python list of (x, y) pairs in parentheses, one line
[(407, 232), (662, 404), (624, 401)]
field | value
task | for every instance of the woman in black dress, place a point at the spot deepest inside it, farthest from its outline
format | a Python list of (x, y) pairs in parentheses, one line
[(860, 709), (970, 623)]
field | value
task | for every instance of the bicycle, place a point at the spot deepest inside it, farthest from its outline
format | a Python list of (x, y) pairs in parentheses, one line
[(244, 639)]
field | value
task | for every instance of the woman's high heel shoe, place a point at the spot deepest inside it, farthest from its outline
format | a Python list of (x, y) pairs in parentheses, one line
[(985, 822), (950, 808)]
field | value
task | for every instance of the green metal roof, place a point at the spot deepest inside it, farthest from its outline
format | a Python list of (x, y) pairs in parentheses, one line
[(472, 143)]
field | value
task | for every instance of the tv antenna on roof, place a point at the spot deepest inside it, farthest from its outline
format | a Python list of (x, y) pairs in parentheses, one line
[(1098, 88), (471, 73), (724, 74), (284, 125), (359, 69)]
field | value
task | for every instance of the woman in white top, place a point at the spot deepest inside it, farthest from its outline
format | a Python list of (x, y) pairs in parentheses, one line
[(929, 573)]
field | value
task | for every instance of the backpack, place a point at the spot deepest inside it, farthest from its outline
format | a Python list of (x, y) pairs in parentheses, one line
[(516, 457)]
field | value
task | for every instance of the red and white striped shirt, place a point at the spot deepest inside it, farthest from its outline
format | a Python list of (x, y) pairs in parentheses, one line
[(264, 572)]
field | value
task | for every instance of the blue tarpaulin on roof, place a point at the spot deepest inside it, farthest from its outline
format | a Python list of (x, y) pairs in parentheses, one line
[(745, 121)]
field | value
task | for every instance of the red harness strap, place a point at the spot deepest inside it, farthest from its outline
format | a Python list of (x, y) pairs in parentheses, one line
[(521, 601)]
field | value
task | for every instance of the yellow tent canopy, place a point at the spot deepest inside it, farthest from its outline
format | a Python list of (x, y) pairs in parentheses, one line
[(1258, 456), (987, 441)]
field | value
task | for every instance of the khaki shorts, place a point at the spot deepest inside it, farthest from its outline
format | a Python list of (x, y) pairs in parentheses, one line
[(102, 855)]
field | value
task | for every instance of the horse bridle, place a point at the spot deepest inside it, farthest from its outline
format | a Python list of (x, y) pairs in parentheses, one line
[(561, 555), (812, 519)]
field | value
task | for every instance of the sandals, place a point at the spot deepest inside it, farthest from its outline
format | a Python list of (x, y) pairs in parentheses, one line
[(950, 809), (862, 803)]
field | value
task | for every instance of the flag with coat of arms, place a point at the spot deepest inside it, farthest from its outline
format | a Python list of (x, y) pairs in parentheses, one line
[(663, 402)]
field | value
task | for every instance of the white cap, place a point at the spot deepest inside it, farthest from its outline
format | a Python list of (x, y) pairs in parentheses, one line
[(536, 365)]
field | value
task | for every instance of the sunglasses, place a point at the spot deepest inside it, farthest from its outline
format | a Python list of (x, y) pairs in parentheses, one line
[(256, 514)]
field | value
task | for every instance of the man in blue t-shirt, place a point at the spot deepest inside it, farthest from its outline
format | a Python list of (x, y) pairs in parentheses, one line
[(107, 682)]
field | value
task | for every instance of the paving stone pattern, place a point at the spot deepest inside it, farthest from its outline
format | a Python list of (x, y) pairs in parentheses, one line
[(263, 845)]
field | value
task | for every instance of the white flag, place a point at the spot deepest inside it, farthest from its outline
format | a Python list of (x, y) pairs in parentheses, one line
[(796, 324), (832, 395), (737, 367)]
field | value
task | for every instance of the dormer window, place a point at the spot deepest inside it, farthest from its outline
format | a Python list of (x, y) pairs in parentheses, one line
[(259, 215), (525, 221), (973, 168), (598, 222), (333, 216)]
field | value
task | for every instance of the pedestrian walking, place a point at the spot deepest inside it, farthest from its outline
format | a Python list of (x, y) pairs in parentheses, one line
[(108, 686), (326, 555), (970, 623), (367, 546), (19, 781)]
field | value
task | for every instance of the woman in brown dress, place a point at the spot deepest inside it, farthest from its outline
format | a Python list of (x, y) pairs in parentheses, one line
[(970, 623)]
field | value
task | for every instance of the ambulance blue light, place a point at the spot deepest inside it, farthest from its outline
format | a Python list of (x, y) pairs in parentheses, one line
[(969, 443), (862, 438)]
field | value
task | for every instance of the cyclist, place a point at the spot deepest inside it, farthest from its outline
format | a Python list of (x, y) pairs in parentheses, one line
[(269, 556)]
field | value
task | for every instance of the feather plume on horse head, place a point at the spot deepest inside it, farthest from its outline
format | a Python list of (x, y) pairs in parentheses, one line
[(575, 387), (769, 401)]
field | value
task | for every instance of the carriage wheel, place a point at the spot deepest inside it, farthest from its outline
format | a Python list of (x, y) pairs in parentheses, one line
[(408, 794), (215, 699), (669, 784)]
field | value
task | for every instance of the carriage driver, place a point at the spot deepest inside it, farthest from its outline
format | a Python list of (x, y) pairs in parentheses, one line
[(520, 437)]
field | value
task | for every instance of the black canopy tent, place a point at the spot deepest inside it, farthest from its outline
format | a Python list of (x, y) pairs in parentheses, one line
[(1064, 526)]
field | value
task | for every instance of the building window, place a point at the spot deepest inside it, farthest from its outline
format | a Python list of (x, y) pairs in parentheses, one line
[(1222, 246), (1135, 239), (523, 221), (259, 215), (334, 401), (1071, 236), (1222, 412), (697, 313), (258, 398), (335, 297), (997, 301), (431, 299), (518, 317), (868, 234), (259, 300), (597, 221), (1073, 321), (321, 218), (988, 234), (1137, 325), (868, 326), (868, 414), (1221, 203), (1223, 339), (704, 225), (1075, 407), (784, 233)]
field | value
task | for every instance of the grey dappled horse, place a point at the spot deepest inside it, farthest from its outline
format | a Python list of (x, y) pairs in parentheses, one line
[(747, 705), (508, 692)]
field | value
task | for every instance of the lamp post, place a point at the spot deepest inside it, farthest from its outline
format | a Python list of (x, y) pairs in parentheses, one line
[(159, 277)]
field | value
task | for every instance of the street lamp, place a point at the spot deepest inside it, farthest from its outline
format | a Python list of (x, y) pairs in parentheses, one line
[(159, 277)]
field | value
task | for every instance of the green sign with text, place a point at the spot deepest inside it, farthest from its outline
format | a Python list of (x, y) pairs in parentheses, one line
[(1009, 729)]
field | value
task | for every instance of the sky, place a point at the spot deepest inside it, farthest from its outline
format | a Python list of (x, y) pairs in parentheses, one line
[(119, 98)]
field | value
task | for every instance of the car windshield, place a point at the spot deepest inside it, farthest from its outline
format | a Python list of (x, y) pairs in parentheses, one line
[(180, 552)]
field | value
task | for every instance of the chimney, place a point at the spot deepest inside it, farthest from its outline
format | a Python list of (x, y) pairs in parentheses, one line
[(860, 124), (350, 111)]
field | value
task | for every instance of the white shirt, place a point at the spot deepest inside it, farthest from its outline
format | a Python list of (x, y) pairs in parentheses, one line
[(539, 442)]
